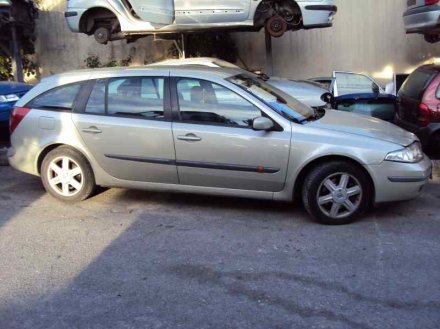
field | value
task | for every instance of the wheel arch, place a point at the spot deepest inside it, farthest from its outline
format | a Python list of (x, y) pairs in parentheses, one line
[(54, 146), (260, 19), (86, 22), (305, 170)]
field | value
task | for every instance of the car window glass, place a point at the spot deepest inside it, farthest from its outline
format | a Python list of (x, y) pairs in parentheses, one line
[(206, 102), (96, 102), (58, 98), (438, 92), (416, 84), (350, 83), (136, 97)]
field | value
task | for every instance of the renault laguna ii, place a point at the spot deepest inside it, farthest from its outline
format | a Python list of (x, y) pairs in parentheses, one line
[(209, 130)]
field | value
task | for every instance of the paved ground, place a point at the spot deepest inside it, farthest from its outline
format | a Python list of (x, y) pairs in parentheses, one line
[(130, 259)]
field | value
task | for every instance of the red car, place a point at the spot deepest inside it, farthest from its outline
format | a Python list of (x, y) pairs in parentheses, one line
[(419, 106)]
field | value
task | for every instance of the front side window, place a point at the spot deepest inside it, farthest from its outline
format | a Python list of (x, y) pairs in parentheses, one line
[(202, 101), (60, 98), (276, 99), (136, 97)]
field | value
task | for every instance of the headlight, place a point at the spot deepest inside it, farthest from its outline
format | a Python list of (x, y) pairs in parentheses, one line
[(9, 98), (410, 154)]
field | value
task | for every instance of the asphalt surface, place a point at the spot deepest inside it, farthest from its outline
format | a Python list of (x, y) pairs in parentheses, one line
[(133, 259)]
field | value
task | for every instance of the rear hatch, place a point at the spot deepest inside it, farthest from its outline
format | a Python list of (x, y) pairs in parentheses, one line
[(411, 94), (411, 4)]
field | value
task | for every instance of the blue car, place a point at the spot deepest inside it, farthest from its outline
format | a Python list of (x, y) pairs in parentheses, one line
[(381, 106), (10, 92)]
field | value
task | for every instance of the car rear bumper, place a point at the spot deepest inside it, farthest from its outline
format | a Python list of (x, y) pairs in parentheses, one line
[(422, 20), (396, 181)]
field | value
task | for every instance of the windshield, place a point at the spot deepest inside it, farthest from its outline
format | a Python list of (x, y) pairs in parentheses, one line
[(279, 101)]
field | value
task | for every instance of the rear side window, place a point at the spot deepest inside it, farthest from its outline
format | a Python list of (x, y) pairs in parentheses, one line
[(438, 92), (136, 97), (60, 98), (416, 84), (96, 102)]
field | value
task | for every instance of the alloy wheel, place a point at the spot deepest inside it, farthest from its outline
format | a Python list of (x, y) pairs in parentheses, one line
[(65, 176), (339, 195)]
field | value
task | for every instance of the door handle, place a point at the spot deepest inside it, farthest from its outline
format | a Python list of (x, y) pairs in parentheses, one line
[(189, 138), (92, 130)]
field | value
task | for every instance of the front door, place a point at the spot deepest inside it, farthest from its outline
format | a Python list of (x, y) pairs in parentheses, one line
[(154, 11), (216, 145), (129, 133), (211, 11)]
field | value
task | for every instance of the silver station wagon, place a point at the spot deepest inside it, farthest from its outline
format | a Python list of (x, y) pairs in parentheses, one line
[(209, 130), (110, 20)]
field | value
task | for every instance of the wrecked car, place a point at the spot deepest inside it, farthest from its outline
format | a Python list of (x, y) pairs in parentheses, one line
[(110, 20)]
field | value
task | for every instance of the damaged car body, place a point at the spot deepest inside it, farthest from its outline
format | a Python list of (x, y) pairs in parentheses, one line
[(110, 20)]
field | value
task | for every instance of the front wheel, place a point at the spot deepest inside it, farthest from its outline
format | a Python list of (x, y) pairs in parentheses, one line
[(67, 175), (336, 193)]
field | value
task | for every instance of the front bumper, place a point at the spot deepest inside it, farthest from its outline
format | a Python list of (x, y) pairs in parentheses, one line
[(422, 21), (395, 181)]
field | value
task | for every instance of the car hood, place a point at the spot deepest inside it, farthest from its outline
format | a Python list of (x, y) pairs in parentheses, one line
[(305, 92), (366, 126)]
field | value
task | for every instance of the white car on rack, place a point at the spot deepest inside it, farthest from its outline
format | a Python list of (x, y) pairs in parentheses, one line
[(110, 20)]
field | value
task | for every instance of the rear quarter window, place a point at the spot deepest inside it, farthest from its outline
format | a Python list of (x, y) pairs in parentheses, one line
[(416, 84), (59, 98)]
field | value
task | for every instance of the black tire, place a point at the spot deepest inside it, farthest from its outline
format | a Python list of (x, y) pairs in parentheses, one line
[(85, 179), (314, 184), (432, 38)]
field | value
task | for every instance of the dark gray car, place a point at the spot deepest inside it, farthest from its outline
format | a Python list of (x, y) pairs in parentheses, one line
[(423, 16)]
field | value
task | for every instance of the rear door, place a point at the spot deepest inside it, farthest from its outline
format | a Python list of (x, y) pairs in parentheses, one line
[(154, 11), (211, 11), (129, 130), (411, 94)]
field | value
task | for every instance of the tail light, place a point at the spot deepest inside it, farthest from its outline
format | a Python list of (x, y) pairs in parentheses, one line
[(17, 115), (431, 2), (423, 115)]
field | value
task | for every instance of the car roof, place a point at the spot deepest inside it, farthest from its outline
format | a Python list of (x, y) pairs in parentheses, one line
[(435, 67), (205, 61)]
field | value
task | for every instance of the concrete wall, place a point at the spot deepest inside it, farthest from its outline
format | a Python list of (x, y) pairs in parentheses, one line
[(367, 36), (59, 50)]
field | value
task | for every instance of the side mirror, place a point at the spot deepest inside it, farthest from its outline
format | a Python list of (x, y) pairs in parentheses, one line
[(262, 123)]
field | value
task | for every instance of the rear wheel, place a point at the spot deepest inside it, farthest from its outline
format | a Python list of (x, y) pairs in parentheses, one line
[(336, 193), (67, 175)]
